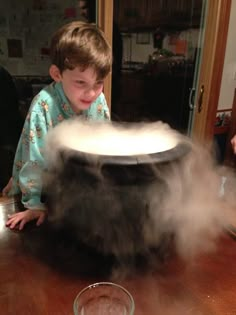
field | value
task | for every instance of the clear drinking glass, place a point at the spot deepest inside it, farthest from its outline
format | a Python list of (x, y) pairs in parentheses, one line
[(104, 298)]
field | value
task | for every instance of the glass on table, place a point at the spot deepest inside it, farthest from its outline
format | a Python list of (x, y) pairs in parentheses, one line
[(104, 298)]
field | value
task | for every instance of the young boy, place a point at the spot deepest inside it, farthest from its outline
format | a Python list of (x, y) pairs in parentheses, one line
[(81, 59)]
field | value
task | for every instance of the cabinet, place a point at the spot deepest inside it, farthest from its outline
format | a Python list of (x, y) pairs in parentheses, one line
[(148, 14), (145, 97), (130, 14), (181, 13), (132, 98)]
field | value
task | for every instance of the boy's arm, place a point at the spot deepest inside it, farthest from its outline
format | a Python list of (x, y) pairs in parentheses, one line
[(27, 172), (30, 172)]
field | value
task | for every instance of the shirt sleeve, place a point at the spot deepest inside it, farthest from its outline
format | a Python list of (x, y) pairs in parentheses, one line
[(31, 162), (99, 109), (106, 111)]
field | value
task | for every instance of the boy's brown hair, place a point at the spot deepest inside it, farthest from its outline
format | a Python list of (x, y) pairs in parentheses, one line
[(83, 45)]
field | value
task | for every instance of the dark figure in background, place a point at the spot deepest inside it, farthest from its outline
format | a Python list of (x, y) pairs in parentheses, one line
[(87, 10), (11, 124)]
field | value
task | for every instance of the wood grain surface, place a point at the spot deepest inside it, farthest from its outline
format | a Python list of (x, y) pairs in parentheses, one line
[(40, 274)]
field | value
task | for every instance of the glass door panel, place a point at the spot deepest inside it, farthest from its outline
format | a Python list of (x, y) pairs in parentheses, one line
[(192, 101), (161, 55)]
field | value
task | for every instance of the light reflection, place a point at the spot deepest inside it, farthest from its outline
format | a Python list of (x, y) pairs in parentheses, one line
[(2, 218)]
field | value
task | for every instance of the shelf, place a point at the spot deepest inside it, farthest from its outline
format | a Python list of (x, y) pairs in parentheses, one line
[(221, 129)]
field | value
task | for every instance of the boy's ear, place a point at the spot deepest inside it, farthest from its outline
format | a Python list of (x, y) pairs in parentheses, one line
[(55, 73)]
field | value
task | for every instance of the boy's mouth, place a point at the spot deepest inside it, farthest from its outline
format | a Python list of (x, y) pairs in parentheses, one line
[(86, 102)]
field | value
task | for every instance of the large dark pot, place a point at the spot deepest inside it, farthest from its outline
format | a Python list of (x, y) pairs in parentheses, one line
[(106, 199)]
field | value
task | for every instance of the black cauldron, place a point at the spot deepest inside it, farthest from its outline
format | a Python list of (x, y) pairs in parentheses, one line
[(105, 199)]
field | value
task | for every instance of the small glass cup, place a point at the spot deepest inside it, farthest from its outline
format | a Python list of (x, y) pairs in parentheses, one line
[(104, 298)]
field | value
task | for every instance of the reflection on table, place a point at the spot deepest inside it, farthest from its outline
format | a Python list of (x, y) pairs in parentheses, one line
[(41, 274)]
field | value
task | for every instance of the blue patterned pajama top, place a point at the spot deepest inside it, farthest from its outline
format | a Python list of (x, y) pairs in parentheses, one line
[(48, 109)]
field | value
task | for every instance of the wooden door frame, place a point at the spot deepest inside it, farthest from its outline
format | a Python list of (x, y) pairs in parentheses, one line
[(211, 68), (105, 21), (229, 157)]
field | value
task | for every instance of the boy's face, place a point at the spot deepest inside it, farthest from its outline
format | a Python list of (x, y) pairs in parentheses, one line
[(81, 87)]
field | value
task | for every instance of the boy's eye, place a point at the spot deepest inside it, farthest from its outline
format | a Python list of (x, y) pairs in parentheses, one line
[(98, 83), (80, 82)]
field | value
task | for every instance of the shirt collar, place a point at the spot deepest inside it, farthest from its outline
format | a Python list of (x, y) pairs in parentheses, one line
[(64, 99)]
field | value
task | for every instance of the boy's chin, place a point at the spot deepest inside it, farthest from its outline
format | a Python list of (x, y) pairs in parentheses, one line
[(77, 109)]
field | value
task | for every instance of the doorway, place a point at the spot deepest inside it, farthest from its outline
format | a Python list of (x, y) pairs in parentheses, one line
[(161, 48), (211, 63)]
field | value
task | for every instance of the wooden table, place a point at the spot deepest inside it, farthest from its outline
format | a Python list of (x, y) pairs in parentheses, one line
[(40, 277)]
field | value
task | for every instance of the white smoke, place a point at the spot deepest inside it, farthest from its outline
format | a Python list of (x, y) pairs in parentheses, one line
[(185, 201)]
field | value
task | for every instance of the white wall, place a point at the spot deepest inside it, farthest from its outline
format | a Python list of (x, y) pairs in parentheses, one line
[(31, 25), (228, 83), (132, 51)]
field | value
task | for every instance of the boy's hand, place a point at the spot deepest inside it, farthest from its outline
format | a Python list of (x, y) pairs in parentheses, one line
[(19, 219)]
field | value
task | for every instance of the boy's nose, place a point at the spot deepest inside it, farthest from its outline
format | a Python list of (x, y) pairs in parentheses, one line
[(90, 91)]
